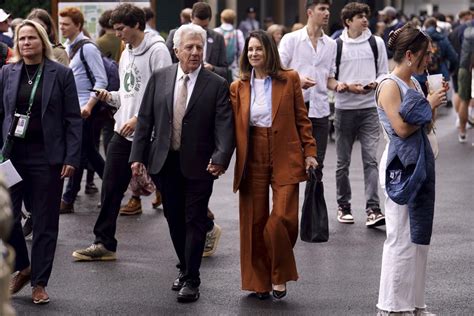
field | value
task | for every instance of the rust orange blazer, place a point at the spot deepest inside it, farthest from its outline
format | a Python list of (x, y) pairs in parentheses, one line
[(291, 128)]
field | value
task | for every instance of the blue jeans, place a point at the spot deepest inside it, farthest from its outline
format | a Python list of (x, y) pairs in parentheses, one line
[(364, 125)]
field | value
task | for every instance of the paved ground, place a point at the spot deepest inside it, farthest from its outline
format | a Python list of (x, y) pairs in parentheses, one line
[(336, 278)]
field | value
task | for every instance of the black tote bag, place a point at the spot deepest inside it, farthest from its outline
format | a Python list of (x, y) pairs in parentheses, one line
[(314, 217)]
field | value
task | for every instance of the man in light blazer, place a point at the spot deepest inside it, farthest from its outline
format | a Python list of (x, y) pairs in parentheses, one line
[(215, 58), (188, 109)]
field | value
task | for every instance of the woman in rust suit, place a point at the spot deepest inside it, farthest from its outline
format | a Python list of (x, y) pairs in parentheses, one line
[(274, 149)]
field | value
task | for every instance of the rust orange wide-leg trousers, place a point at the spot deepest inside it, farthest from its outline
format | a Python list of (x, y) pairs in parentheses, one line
[(266, 239)]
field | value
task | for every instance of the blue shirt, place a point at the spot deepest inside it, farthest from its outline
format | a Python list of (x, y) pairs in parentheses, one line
[(94, 59)]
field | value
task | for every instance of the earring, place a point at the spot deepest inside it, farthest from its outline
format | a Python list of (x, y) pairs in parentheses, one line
[(409, 63)]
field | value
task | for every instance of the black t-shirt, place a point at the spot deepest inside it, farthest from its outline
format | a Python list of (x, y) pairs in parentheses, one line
[(34, 132)]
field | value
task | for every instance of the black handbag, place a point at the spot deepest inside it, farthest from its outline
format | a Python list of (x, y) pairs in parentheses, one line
[(314, 217)]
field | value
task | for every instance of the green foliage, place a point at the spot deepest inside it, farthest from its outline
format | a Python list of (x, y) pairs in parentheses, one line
[(21, 8)]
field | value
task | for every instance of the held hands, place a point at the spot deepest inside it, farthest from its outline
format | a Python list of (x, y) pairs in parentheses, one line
[(214, 169), (307, 82), (67, 171), (138, 169), (129, 127), (310, 162)]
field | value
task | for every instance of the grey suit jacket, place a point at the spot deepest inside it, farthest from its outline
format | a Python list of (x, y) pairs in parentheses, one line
[(215, 53), (207, 128), (60, 112)]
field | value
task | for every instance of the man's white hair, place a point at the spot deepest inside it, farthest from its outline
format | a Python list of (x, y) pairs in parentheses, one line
[(185, 29)]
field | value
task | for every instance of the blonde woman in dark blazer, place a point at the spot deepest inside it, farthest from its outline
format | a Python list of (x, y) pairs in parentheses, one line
[(41, 122), (275, 148)]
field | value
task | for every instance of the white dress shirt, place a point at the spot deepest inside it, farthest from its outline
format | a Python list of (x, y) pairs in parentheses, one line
[(179, 81), (297, 52), (260, 112)]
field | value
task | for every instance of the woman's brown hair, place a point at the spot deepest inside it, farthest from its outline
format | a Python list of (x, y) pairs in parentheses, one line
[(44, 17), (272, 57), (408, 38)]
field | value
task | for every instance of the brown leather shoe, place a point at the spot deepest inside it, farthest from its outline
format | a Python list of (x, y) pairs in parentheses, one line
[(66, 208), (39, 295), (157, 201), (133, 207), (18, 281)]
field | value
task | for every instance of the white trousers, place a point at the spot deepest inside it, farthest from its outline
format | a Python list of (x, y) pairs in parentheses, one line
[(402, 280)]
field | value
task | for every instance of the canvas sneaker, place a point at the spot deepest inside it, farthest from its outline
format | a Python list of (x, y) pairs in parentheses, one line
[(374, 217), (212, 239), (344, 215), (95, 252)]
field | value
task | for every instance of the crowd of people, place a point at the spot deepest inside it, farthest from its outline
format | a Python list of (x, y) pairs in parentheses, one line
[(171, 112)]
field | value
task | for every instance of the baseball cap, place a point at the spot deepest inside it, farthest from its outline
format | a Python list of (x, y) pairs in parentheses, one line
[(388, 10), (251, 10), (3, 15)]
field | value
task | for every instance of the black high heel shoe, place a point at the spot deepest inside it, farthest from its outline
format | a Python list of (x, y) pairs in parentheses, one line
[(262, 295), (279, 294)]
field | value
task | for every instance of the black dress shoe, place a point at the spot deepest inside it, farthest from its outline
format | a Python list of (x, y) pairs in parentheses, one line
[(262, 295), (178, 284), (188, 293), (279, 294)]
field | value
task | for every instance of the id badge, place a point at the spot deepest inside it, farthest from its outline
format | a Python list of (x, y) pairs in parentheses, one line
[(21, 125)]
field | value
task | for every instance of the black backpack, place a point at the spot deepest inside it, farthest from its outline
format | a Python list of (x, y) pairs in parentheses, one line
[(373, 46), (111, 70), (434, 67)]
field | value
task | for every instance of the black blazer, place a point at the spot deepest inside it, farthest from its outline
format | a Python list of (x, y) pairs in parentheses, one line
[(215, 53), (60, 111), (207, 130)]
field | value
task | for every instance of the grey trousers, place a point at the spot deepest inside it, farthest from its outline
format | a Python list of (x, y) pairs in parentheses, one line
[(362, 125)]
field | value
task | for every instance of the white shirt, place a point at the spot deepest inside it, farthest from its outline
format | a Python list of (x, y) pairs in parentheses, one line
[(179, 82), (260, 113), (297, 52), (358, 66)]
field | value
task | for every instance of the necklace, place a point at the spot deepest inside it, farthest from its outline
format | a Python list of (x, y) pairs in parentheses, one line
[(30, 79)]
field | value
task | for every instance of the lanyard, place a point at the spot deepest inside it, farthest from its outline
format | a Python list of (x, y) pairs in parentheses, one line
[(33, 91)]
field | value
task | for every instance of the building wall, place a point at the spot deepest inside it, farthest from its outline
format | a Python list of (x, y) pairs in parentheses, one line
[(444, 6)]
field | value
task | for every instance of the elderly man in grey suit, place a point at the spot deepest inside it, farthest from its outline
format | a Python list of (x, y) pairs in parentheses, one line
[(188, 109)]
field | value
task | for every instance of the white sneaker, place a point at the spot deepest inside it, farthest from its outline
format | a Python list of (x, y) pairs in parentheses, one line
[(462, 138), (423, 312), (344, 215)]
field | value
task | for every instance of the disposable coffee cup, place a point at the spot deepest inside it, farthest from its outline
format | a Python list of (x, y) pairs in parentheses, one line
[(435, 82)]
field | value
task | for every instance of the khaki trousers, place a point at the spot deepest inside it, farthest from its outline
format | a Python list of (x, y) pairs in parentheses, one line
[(266, 239)]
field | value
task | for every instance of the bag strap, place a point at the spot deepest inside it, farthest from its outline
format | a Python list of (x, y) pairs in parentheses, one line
[(338, 56), (75, 48), (89, 73), (375, 51), (373, 47)]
